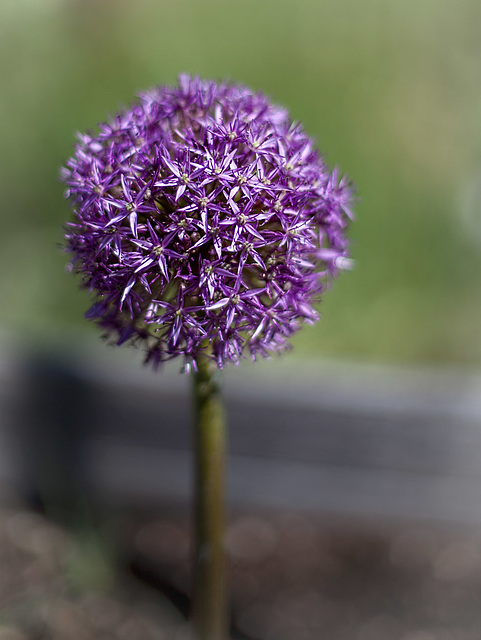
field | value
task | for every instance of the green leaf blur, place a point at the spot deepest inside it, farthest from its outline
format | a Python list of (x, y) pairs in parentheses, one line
[(390, 90)]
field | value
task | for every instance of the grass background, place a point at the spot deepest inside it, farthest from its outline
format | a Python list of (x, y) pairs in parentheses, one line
[(391, 91)]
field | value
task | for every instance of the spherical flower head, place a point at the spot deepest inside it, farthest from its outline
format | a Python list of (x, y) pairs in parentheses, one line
[(205, 223)]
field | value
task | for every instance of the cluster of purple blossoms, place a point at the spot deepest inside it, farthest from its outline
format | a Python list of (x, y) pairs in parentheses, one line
[(205, 222)]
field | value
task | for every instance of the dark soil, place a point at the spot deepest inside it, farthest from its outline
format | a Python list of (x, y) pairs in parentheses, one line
[(293, 577)]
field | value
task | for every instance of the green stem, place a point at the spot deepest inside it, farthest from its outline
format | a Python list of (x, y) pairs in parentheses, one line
[(210, 598)]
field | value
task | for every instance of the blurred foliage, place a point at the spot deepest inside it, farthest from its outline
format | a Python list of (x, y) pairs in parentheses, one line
[(390, 90)]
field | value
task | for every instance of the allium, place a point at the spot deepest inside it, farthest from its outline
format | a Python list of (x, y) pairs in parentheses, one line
[(205, 222)]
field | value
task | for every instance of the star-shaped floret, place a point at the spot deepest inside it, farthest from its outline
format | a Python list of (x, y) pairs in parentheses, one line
[(204, 222)]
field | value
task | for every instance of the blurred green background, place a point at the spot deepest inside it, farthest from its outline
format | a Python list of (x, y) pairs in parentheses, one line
[(391, 91)]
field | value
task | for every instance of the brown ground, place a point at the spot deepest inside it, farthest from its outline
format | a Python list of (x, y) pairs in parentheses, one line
[(293, 577)]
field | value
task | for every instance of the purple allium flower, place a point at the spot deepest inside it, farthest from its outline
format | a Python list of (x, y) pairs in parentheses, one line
[(205, 222)]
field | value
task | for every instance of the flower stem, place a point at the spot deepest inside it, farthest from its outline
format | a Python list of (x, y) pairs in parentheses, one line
[(210, 598)]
